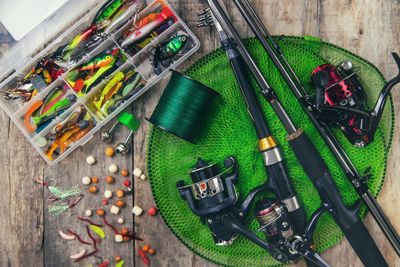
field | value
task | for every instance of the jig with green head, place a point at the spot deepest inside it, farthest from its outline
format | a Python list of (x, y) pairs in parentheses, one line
[(165, 52)]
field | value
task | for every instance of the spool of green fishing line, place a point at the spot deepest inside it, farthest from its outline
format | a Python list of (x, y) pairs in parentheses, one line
[(184, 107)]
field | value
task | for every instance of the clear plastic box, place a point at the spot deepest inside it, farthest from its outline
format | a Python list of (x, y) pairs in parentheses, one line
[(140, 62)]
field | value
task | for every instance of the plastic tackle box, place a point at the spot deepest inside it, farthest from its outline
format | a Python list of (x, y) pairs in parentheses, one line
[(138, 60)]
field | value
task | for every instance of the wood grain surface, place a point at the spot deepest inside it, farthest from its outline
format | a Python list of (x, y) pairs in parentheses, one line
[(29, 235)]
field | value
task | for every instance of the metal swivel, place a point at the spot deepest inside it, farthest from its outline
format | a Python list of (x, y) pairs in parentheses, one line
[(106, 136), (122, 148), (133, 124)]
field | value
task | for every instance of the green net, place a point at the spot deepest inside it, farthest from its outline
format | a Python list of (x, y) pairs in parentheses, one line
[(230, 132)]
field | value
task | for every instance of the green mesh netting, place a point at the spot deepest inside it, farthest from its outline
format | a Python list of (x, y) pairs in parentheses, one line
[(230, 132)]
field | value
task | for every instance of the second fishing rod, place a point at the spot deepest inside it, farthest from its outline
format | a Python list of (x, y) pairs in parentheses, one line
[(310, 159), (294, 83)]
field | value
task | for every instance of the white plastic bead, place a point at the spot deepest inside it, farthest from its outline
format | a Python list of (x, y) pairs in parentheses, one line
[(114, 210), (137, 172), (90, 160), (41, 141), (86, 180), (88, 213), (143, 177), (113, 168), (119, 238), (120, 220), (108, 194), (137, 210)]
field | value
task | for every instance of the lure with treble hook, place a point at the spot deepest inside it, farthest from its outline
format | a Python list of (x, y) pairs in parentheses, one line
[(59, 192), (107, 10), (144, 26), (100, 61), (168, 51), (81, 40), (141, 43), (55, 210)]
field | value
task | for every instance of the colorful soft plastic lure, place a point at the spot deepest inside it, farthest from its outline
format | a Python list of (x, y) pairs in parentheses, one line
[(55, 110), (53, 97), (90, 74), (109, 90)]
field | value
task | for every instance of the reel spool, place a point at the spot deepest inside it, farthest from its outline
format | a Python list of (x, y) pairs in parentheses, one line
[(274, 222)]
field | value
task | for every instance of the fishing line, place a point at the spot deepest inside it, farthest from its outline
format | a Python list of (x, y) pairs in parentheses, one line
[(184, 107)]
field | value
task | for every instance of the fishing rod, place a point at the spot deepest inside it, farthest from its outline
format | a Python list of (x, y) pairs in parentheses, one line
[(225, 218), (358, 181), (310, 159)]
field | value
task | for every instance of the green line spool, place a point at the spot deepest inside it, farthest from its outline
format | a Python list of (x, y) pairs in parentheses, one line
[(184, 107)]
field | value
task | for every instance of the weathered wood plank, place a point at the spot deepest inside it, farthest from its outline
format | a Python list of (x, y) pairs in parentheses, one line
[(22, 229), (29, 234)]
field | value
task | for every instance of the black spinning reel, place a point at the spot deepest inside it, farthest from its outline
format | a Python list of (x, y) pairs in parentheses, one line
[(214, 199), (342, 101)]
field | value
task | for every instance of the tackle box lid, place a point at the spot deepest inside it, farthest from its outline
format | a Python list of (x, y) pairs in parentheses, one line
[(43, 27)]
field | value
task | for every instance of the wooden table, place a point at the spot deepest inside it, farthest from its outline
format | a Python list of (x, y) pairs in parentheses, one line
[(29, 235)]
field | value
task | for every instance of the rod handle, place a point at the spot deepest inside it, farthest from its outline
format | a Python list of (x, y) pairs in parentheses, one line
[(347, 218)]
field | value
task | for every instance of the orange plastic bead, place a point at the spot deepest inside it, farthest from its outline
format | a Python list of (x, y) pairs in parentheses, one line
[(124, 231), (145, 248), (120, 193), (124, 173), (95, 180), (109, 179), (120, 203), (151, 251), (92, 189), (100, 212), (110, 151)]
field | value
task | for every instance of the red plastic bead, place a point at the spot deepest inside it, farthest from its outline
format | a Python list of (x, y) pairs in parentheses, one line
[(105, 201), (127, 183), (152, 211)]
